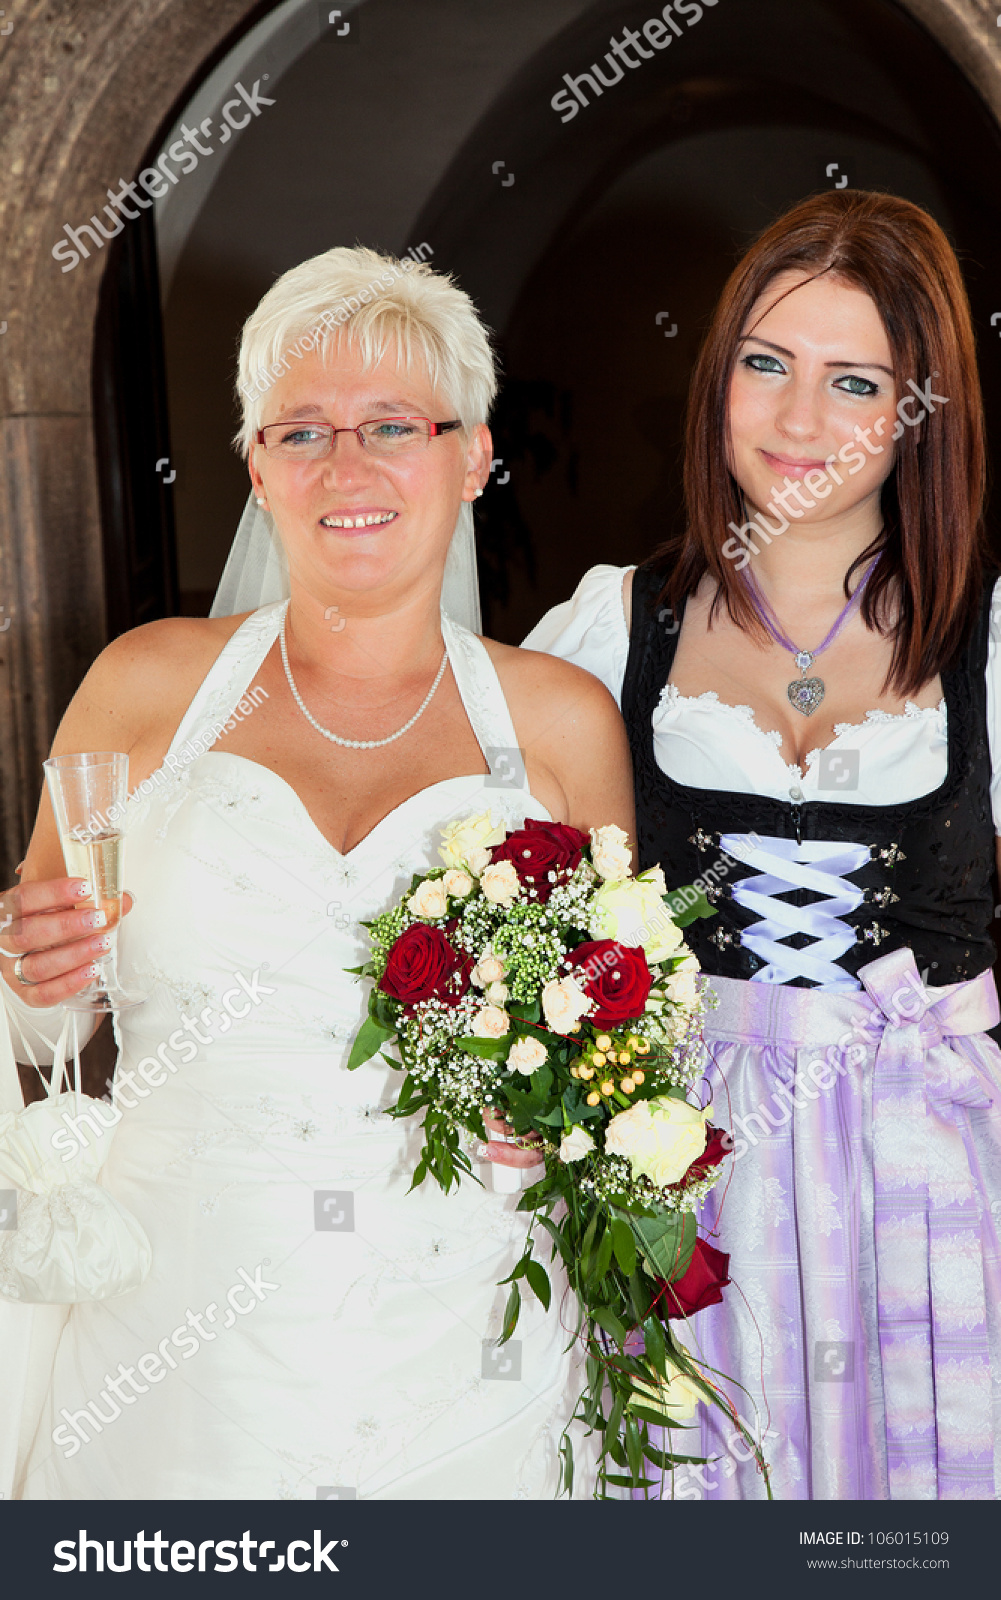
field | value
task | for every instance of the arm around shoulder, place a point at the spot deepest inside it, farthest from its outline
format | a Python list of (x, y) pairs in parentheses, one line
[(573, 737)]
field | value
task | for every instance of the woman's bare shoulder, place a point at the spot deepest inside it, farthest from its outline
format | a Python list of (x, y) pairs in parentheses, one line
[(145, 674), (538, 685), (568, 726), (173, 650)]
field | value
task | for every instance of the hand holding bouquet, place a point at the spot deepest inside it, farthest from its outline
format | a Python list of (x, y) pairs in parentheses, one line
[(533, 982)]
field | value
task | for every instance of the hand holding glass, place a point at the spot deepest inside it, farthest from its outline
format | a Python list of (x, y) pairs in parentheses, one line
[(89, 794)]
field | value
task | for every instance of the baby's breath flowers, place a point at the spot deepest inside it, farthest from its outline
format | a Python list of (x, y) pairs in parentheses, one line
[(535, 981)]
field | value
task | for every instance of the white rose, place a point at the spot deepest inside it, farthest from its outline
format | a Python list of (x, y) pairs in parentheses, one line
[(428, 899), (610, 853), (633, 913), (526, 1054), (487, 970), (680, 985), (496, 993), (470, 834), (675, 1399), (682, 988), (660, 1138), (500, 883), (576, 1144), (491, 1023), (564, 1003), (477, 859), (457, 884)]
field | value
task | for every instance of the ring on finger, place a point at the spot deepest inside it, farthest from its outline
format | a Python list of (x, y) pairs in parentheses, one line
[(30, 983)]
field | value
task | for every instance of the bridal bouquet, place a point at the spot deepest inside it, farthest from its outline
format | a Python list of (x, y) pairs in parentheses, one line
[(533, 979)]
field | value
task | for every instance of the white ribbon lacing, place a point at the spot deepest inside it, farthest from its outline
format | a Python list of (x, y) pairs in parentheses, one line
[(783, 864)]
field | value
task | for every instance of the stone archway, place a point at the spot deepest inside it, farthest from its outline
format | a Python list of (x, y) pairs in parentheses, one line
[(86, 92)]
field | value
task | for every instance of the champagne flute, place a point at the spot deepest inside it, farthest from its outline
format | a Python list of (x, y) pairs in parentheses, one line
[(89, 793)]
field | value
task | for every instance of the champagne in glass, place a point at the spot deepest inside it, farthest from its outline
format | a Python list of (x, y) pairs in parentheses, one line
[(89, 794)]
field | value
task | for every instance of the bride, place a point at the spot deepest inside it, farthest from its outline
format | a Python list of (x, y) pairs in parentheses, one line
[(308, 1326)]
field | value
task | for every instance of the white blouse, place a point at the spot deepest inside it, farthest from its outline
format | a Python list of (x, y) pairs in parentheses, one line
[(701, 741)]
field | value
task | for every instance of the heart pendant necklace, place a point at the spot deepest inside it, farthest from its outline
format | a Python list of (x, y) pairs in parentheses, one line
[(805, 693)]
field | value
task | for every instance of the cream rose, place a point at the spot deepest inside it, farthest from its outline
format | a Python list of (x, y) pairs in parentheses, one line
[(500, 883), (634, 913), (660, 1138), (526, 1055), (457, 884), (491, 1023), (479, 833), (610, 853), (487, 970), (429, 899), (675, 1400), (564, 1003), (576, 1144), (496, 993), (680, 986)]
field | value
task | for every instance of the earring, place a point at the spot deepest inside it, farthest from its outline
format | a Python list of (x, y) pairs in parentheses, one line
[(260, 500), (478, 493)]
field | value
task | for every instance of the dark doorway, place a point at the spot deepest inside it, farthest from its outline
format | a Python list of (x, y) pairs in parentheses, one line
[(595, 246), (132, 434)]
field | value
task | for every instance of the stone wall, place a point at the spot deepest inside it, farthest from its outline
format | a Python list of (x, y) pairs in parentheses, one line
[(85, 88)]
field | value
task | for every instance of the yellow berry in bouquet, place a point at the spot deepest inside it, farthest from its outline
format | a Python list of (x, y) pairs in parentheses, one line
[(632, 1042), (594, 1098), (624, 1058), (603, 1042), (608, 1087), (599, 1058), (638, 1075), (642, 1048), (627, 1085), (586, 1072)]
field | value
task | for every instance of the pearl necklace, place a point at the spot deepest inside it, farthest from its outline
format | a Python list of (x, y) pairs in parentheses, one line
[(357, 744)]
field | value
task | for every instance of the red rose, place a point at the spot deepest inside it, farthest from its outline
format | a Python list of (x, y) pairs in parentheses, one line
[(422, 965), (702, 1285), (718, 1145), (616, 977), (540, 848)]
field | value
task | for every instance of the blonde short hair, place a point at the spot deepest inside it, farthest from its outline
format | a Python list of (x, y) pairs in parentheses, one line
[(378, 303)]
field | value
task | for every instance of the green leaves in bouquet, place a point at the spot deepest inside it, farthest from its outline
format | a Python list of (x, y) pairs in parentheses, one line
[(537, 1279), (624, 1245), (442, 1155), (378, 1029), (683, 910), (529, 1105), (666, 1240), (488, 1049), (369, 1041), (527, 1012)]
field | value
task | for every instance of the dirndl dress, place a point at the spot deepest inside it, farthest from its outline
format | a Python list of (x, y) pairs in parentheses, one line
[(850, 1053)]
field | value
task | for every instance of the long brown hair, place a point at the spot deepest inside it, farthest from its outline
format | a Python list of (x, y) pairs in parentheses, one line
[(931, 568)]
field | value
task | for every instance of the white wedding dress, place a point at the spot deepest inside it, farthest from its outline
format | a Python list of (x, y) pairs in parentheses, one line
[(347, 1360)]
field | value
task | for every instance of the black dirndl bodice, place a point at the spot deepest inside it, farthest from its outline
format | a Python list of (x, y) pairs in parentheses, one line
[(929, 875)]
